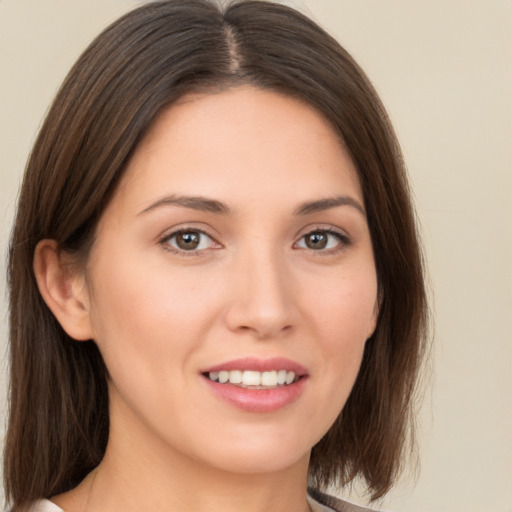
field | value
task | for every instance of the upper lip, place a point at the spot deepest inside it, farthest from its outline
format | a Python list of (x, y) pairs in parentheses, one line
[(259, 365)]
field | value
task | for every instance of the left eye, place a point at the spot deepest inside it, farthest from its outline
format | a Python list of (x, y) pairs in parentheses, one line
[(189, 240), (320, 240)]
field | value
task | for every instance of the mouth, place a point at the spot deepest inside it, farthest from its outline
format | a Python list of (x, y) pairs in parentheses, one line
[(252, 379), (257, 385)]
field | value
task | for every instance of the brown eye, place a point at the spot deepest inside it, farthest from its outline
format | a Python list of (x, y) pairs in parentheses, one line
[(188, 240), (326, 241), (316, 240)]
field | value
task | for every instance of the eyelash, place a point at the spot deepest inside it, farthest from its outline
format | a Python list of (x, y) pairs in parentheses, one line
[(343, 242), (165, 242)]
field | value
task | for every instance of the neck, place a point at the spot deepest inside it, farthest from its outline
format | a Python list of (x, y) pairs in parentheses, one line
[(180, 488), (142, 472)]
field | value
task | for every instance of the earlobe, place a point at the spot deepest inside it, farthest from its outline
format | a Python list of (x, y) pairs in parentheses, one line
[(63, 290)]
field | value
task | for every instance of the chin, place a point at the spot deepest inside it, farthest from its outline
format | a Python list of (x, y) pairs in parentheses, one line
[(261, 462), (257, 453)]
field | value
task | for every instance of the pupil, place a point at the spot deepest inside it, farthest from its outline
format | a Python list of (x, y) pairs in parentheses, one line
[(316, 240), (187, 240)]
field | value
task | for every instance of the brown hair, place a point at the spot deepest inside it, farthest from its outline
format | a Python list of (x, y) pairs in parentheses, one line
[(58, 423)]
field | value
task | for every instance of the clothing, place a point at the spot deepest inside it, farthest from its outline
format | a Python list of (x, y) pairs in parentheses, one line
[(44, 506), (321, 502), (318, 501)]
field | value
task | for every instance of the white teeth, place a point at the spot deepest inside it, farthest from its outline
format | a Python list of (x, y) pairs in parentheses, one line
[(269, 379), (235, 377), (249, 378)]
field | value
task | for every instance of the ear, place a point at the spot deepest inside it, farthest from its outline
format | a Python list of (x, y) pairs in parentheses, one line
[(62, 289)]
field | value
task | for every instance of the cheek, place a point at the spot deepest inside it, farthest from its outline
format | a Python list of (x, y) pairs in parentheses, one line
[(346, 309), (148, 315), (148, 328), (344, 314)]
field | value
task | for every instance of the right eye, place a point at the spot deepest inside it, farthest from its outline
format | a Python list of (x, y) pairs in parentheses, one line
[(189, 241)]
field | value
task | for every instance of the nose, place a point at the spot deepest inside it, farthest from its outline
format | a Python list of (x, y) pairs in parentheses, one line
[(261, 299)]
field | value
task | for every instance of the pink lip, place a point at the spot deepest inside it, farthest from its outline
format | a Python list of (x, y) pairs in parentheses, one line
[(258, 400), (259, 365)]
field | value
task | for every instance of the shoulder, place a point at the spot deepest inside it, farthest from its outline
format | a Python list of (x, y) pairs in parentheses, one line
[(328, 503)]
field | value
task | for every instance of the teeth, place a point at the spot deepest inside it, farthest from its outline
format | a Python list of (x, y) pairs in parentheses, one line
[(269, 379), (236, 377), (249, 378), (290, 377)]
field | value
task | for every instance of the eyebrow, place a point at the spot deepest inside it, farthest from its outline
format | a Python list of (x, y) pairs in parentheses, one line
[(328, 203), (213, 206), (194, 202)]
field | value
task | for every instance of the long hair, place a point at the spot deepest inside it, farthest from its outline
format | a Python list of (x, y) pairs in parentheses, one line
[(58, 421)]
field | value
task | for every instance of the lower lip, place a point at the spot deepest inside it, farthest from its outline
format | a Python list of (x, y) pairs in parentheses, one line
[(258, 400)]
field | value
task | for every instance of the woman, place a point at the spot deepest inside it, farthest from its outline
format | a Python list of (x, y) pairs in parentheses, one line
[(215, 280)]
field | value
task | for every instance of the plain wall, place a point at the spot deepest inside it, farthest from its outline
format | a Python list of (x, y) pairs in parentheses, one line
[(444, 71)]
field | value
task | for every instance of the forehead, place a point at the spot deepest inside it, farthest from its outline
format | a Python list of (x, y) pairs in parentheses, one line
[(237, 144)]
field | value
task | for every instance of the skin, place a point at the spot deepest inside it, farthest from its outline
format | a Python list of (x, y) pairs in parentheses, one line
[(161, 314)]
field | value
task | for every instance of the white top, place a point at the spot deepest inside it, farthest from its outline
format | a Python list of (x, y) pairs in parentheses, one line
[(44, 506)]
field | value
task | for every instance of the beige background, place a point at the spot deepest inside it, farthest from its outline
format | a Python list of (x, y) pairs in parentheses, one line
[(444, 70)]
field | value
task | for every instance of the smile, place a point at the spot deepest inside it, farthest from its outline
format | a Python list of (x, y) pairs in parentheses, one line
[(257, 385), (251, 379)]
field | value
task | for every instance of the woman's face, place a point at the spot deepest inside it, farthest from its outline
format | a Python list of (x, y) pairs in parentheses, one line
[(235, 255)]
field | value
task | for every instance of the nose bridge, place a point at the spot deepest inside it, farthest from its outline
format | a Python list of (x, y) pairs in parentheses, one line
[(261, 300)]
